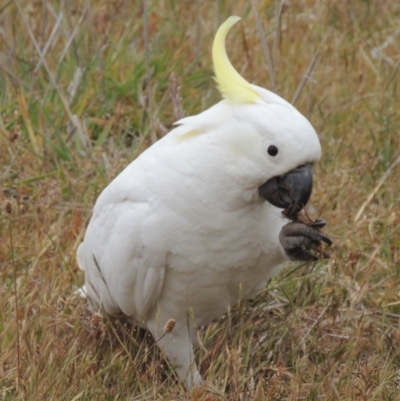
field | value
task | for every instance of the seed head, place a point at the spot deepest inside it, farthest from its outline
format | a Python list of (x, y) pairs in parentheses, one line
[(8, 207), (8, 204), (97, 320), (169, 326)]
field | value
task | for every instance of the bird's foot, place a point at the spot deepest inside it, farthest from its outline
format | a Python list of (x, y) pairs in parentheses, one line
[(304, 241)]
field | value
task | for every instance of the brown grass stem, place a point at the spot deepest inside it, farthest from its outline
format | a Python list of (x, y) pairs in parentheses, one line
[(148, 73), (174, 90), (307, 76), (9, 210), (267, 54), (277, 33), (376, 189)]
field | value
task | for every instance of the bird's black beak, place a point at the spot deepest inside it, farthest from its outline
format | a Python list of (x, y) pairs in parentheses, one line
[(290, 191)]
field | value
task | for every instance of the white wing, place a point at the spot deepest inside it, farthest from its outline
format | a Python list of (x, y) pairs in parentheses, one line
[(124, 270)]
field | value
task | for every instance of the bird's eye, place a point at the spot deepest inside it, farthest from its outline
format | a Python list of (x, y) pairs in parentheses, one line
[(272, 150)]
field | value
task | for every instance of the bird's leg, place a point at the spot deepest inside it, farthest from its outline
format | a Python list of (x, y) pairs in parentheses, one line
[(177, 347)]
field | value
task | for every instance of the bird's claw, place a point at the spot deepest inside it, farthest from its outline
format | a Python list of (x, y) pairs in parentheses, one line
[(303, 241)]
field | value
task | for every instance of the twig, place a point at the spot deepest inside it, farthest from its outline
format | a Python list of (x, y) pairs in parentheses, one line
[(270, 65), (197, 31), (86, 6), (43, 23), (381, 313), (49, 42), (278, 15), (310, 86), (148, 80), (70, 41), (9, 209), (175, 95), (70, 38), (295, 270), (306, 76), (377, 52), (376, 189)]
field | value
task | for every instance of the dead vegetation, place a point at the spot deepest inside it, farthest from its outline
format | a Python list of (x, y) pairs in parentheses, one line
[(76, 106)]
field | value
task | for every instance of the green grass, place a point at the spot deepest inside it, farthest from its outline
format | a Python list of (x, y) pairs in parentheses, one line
[(324, 332)]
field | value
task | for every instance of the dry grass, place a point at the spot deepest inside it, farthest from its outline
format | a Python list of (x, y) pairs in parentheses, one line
[(73, 116)]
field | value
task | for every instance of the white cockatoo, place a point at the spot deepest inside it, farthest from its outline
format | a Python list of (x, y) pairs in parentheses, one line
[(195, 222)]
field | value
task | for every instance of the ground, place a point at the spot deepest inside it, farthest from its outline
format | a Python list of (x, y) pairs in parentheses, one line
[(79, 102)]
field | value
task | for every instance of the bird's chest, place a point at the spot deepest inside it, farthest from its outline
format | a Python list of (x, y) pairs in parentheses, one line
[(209, 291), (216, 258)]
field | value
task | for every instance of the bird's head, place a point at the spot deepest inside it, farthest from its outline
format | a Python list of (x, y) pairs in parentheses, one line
[(274, 145)]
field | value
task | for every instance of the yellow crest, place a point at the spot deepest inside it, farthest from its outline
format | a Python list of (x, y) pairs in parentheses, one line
[(229, 82)]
